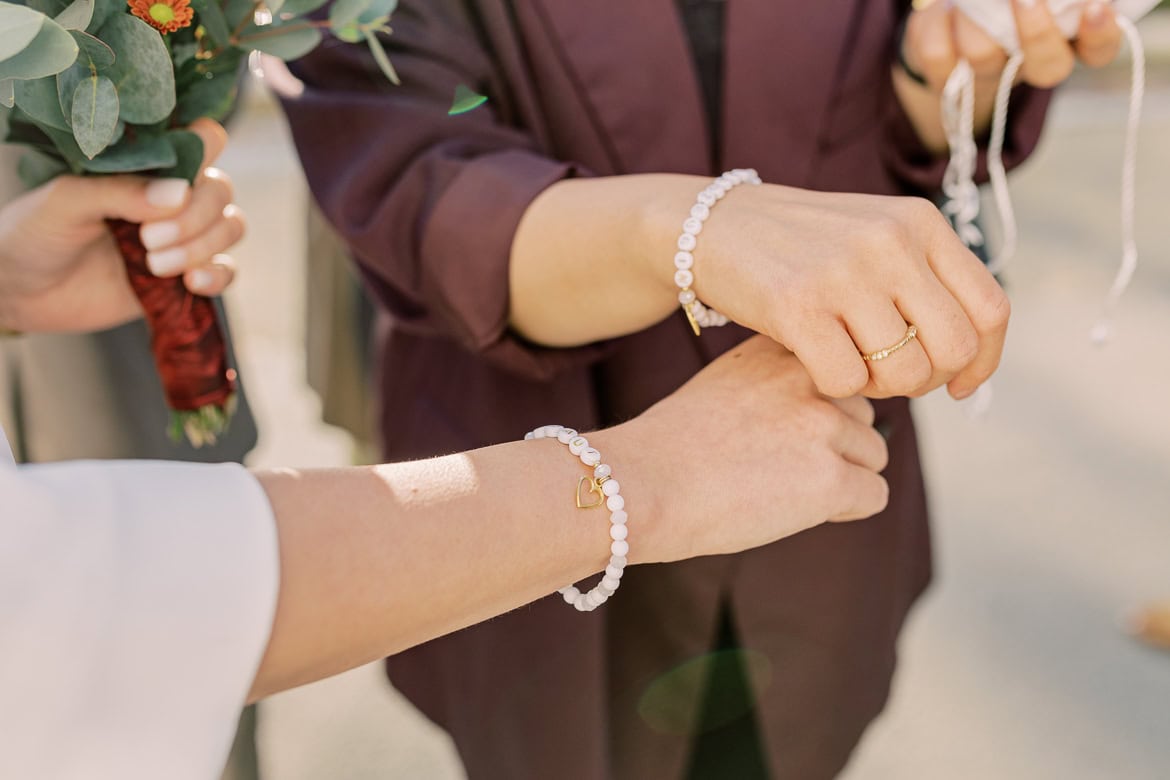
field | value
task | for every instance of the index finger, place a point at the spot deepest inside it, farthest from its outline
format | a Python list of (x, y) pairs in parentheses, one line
[(214, 139)]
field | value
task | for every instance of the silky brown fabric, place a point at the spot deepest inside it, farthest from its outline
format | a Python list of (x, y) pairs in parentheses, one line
[(429, 204)]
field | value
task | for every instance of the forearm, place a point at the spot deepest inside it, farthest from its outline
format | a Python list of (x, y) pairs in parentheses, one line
[(592, 258), (378, 559)]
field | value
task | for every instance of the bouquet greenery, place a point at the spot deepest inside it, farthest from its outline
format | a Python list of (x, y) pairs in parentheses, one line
[(98, 87)]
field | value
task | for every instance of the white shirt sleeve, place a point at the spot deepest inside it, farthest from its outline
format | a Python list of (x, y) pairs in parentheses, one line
[(136, 600)]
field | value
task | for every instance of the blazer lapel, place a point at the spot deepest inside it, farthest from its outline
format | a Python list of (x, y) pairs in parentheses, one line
[(635, 70)]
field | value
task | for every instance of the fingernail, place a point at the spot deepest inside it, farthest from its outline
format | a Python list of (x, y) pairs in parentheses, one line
[(1095, 14), (960, 395), (159, 234), (168, 262), (200, 280), (1027, 3), (167, 193)]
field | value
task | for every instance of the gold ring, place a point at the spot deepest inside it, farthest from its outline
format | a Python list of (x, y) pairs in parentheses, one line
[(882, 354)]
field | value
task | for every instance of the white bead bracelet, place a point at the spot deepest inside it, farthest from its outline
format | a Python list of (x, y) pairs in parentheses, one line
[(698, 314), (608, 492)]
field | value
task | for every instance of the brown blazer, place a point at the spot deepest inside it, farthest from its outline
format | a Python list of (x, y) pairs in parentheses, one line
[(429, 204)]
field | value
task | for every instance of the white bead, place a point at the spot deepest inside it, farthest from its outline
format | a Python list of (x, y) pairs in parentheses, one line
[(566, 435), (700, 211), (619, 532), (570, 593), (611, 582), (706, 198), (611, 487), (687, 242), (686, 297), (618, 560), (602, 471), (578, 445), (580, 602), (684, 260), (594, 598), (615, 503), (590, 457), (538, 433), (614, 571), (552, 431), (529, 436), (608, 591), (620, 547), (619, 517), (692, 226), (684, 278)]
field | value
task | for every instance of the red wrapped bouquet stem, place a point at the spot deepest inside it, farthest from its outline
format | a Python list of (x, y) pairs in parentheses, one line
[(187, 342)]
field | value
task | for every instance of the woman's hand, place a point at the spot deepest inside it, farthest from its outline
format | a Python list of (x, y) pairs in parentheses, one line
[(745, 453), (938, 35), (60, 269)]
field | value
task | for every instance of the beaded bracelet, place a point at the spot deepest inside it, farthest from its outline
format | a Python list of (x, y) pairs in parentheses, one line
[(698, 315), (608, 492)]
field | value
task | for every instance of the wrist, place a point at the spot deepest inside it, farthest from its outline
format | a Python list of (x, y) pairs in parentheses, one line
[(671, 197), (629, 451)]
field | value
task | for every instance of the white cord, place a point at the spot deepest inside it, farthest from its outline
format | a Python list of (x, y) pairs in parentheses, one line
[(1137, 90), (995, 166), (958, 185)]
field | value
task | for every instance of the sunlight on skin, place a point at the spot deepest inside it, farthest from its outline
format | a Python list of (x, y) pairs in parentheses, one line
[(430, 482)]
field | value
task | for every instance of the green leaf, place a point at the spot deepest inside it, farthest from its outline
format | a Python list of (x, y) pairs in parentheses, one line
[(211, 17), (91, 51), (7, 93), (18, 27), (95, 114), (211, 96), (77, 16), (49, 8), (300, 7), (351, 32), (188, 153), (378, 13), (50, 52), (36, 168), (146, 153), (465, 100), (345, 12), (38, 99), (236, 11), (380, 57), (142, 73), (102, 11), (288, 45), (67, 81)]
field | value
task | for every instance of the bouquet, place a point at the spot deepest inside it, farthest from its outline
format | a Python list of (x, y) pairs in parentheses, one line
[(98, 87)]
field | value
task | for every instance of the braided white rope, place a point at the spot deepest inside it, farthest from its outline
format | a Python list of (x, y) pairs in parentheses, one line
[(958, 120), (995, 166)]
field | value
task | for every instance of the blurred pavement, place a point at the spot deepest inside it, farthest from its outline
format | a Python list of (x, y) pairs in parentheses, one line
[(1052, 511)]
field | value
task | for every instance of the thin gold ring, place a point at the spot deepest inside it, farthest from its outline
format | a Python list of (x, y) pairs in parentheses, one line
[(882, 354)]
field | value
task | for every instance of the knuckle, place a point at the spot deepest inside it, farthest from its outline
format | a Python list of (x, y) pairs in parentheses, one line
[(996, 310), (844, 382)]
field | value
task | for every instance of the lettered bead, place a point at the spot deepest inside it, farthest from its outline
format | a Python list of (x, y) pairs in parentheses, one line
[(692, 226), (618, 560), (611, 487), (591, 457), (684, 278), (615, 503), (618, 532), (552, 431), (603, 470), (700, 211), (683, 260), (619, 517), (578, 445), (686, 297), (614, 571), (611, 582), (566, 435), (620, 547), (687, 242)]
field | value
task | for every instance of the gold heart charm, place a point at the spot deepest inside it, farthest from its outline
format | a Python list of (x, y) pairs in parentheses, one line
[(593, 488)]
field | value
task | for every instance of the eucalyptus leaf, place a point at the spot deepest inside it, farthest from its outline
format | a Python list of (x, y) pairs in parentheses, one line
[(50, 52), (102, 11), (95, 114), (49, 8), (344, 12), (377, 13), (38, 99), (67, 81), (77, 16), (465, 100), (212, 18), (146, 153), (18, 27), (36, 168), (211, 96), (142, 73), (380, 57), (286, 45), (292, 8), (350, 32), (236, 11), (7, 93), (91, 51), (188, 153)]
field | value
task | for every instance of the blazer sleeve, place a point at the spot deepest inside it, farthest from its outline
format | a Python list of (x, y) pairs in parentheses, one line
[(428, 202), (136, 601)]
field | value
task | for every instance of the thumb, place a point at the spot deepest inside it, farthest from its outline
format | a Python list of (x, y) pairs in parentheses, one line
[(132, 198)]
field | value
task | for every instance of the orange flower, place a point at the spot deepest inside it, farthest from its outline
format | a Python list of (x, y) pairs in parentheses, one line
[(166, 16)]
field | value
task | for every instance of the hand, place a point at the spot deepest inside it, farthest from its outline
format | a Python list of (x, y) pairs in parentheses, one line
[(833, 276), (746, 453), (60, 269), (939, 35)]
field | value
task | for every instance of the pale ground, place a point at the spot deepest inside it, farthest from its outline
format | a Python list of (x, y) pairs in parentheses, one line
[(1052, 512)]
